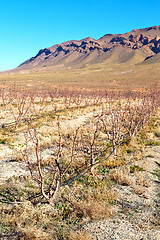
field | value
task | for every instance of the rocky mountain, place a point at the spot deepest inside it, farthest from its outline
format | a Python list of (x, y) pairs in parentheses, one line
[(134, 47)]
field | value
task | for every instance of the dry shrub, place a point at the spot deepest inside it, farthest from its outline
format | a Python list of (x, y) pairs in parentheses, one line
[(92, 209), (101, 193), (23, 216), (105, 194), (80, 235), (98, 191), (113, 162), (33, 234), (138, 189), (121, 176), (138, 182)]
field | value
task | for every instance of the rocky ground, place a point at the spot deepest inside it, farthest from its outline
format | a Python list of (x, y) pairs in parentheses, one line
[(136, 215)]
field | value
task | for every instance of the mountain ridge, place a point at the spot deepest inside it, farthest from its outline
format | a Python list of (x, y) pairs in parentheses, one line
[(111, 48)]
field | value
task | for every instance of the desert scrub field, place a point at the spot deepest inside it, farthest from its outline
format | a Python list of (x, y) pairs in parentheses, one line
[(63, 152)]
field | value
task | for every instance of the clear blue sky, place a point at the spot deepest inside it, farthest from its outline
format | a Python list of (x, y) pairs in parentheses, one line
[(26, 26)]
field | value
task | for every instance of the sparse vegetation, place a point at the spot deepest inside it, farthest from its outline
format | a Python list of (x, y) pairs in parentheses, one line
[(77, 147), (135, 168)]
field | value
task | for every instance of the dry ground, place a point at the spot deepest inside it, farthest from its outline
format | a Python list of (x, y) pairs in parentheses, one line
[(137, 207), (127, 198), (92, 77)]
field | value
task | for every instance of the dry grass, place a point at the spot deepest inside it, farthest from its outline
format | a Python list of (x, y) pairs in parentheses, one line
[(80, 235), (93, 210), (95, 193), (33, 234), (121, 176), (107, 77), (138, 189), (43, 220), (137, 180)]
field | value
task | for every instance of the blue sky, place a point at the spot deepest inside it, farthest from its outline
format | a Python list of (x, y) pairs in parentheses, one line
[(26, 26)]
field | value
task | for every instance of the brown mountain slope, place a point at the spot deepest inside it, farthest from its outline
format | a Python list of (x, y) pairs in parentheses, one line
[(132, 47), (153, 59)]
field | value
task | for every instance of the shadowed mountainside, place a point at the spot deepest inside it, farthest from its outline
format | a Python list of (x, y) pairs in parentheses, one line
[(140, 45)]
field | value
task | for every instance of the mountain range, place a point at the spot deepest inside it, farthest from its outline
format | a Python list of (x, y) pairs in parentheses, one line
[(137, 46)]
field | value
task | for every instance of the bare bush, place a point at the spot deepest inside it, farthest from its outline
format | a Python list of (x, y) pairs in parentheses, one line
[(49, 179)]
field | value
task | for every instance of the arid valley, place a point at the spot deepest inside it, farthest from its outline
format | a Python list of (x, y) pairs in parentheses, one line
[(80, 141)]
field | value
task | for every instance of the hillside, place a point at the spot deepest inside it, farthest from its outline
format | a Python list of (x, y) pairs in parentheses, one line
[(153, 59), (133, 47)]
